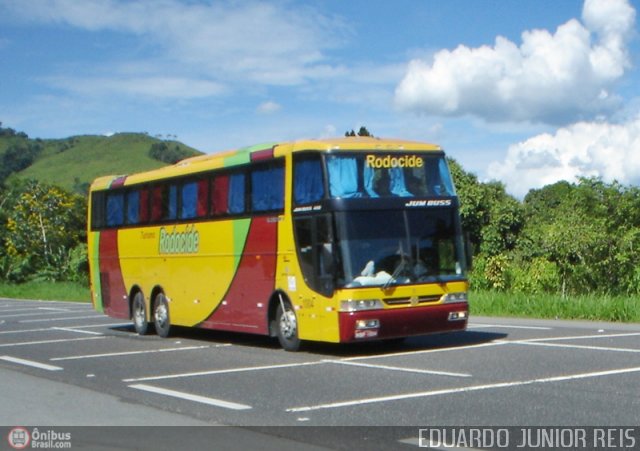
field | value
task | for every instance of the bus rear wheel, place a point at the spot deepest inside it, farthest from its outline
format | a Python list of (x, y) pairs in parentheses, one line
[(139, 314), (161, 317), (287, 327)]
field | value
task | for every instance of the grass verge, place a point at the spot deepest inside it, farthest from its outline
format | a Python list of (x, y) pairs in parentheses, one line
[(483, 303), (50, 291), (592, 307)]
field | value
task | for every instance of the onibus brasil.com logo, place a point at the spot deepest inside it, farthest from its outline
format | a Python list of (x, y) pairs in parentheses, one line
[(21, 438)]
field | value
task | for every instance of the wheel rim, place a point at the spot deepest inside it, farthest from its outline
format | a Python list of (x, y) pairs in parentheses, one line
[(288, 324), (161, 314), (138, 314)]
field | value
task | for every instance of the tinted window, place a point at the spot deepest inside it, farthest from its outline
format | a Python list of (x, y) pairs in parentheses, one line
[(267, 188), (115, 209), (189, 200), (308, 185), (133, 207), (237, 193)]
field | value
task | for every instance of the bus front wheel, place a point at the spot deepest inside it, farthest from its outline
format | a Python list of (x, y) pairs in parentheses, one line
[(139, 314), (161, 318), (287, 327)]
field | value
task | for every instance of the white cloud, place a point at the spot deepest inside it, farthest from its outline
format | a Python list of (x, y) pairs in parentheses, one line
[(550, 78), (584, 149), (157, 87), (268, 107), (229, 42)]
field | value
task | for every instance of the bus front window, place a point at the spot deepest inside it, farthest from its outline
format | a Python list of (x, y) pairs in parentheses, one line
[(397, 247), (381, 175)]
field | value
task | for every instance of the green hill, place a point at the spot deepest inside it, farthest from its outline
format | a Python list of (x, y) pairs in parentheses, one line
[(72, 163)]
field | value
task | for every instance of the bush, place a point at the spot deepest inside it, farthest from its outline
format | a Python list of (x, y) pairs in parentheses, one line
[(44, 235), (537, 276), (491, 272)]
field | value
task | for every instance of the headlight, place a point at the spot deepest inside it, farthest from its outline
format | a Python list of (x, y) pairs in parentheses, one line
[(363, 304), (450, 298)]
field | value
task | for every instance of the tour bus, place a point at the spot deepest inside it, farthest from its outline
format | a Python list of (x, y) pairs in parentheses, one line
[(334, 240)]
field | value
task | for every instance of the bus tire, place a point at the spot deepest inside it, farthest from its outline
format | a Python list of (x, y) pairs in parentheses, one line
[(139, 314), (161, 318), (287, 328)]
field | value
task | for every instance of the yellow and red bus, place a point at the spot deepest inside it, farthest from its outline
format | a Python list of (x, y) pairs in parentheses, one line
[(335, 240)]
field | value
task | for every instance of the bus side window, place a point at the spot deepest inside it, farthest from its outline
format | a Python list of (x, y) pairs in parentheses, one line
[(194, 196), (267, 188), (189, 200), (133, 207), (237, 196), (316, 252), (170, 202), (308, 185), (156, 204), (115, 209), (220, 195), (202, 208), (305, 247), (144, 205), (97, 210)]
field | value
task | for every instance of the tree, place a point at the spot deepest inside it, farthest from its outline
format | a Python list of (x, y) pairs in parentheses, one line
[(589, 230), (362, 132), (43, 228), (17, 157), (492, 218), (168, 152)]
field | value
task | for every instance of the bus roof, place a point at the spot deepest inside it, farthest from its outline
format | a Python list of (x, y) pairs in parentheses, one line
[(265, 151)]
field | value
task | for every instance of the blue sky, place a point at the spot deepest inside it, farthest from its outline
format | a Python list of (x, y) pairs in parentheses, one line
[(527, 92)]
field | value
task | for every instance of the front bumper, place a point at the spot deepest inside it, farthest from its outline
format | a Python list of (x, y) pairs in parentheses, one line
[(403, 322)]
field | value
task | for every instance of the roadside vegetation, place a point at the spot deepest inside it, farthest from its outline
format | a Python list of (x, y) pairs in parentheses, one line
[(46, 291), (568, 250), (592, 307)]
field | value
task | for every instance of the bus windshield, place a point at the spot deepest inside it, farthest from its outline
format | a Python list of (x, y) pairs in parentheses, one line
[(399, 247), (388, 175)]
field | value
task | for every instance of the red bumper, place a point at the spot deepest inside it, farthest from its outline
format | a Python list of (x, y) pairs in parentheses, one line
[(404, 322)]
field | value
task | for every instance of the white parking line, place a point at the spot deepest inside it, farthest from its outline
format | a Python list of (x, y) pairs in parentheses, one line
[(42, 366), (190, 397), (70, 328), (54, 309), (89, 326), (79, 331), (425, 351), (41, 301), (18, 310), (581, 337), (44, 342), (231, 370), (449, 391), (396, 368), (505, 326), (125, 353), (560, 345), (61, 319), (32, 313)]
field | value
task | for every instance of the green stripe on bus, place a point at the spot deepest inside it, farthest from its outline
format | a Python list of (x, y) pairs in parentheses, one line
[(240, 232), (97, 283), (243, 155)]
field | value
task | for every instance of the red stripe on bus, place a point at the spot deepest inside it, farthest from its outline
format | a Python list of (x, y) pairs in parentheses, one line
[(114, 293), (253, 283), (265, 154)]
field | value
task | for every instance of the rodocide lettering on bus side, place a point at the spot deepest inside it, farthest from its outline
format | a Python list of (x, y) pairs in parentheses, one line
[(175, 242)]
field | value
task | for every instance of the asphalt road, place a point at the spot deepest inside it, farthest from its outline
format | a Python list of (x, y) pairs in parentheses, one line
[(62, 364)]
